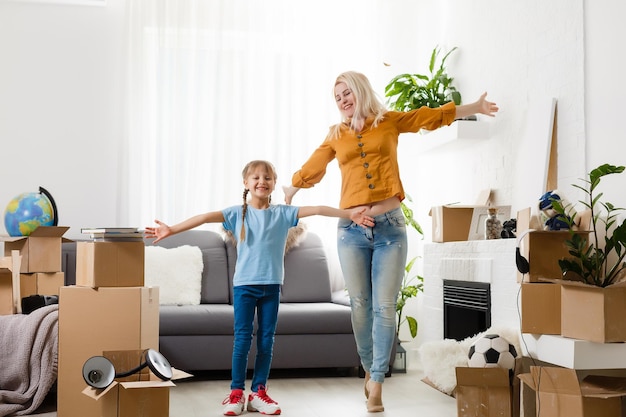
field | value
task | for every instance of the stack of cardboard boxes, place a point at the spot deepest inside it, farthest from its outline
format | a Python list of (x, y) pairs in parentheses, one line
[(40, 268), (109, 313), (558, 384), (572, 313)]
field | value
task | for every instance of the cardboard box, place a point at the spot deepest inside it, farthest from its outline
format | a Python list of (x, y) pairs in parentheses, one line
[(487, 392), (141, 394), (41, 283), (6, 294), (456, 222), (593, 313), (559, 393), (541, 308), (110, 264), (451, 223), (543, 248), (9, 284), (95, 320), (40, 251)]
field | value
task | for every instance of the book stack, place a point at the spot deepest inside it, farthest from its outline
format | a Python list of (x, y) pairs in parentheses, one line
[(113, 234)]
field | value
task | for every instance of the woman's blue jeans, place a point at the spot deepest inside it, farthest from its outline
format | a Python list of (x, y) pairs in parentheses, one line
[(248, 299), (372, 260)]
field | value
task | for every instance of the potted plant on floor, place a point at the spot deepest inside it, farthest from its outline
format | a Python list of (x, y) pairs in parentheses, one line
[(412, 284)]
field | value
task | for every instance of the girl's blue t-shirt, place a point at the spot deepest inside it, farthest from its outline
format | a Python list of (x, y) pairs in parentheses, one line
[(260, 257)]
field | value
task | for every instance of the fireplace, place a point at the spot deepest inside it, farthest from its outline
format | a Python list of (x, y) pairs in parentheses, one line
[(466, 308), (489, 262)]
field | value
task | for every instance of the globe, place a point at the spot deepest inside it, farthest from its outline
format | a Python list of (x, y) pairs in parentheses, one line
[(28, 211)]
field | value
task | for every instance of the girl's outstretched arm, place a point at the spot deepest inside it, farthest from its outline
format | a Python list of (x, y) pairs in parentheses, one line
[(355, 214), (162, 230)]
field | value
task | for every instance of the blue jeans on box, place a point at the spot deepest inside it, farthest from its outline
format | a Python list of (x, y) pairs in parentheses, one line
[(248, 299), (372, 260)]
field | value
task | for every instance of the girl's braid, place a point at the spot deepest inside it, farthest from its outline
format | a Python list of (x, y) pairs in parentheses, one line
[(242, 234)]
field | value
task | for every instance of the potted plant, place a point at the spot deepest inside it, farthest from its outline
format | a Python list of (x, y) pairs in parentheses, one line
[(412, 284), (593, 288), (591, 262), (411, 91)]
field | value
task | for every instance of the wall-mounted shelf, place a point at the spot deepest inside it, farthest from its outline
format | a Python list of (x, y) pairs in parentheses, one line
[(459, 130)]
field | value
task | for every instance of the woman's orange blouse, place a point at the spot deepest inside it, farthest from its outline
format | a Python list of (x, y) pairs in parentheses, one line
[(368, 159)]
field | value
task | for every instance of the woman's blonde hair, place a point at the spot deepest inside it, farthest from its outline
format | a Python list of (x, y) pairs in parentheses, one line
[(367, 102), (246, 170)]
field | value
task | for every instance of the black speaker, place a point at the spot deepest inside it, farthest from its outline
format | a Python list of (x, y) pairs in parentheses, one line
[(33, 302), (99, 372)]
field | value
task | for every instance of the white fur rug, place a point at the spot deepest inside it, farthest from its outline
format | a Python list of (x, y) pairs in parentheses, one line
[(441, 358)]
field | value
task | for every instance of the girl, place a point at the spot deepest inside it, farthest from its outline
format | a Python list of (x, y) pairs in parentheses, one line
[(261, 232)]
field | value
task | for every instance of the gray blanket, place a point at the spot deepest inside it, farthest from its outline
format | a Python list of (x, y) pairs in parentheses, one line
[(28, 359)]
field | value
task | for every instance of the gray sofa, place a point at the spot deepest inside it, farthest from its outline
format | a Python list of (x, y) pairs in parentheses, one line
[(314, 328)]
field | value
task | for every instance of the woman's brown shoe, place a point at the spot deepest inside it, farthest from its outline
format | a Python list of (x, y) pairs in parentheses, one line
[(375, 399)]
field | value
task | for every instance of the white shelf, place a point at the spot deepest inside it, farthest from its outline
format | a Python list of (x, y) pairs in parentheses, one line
[(574, 353), (460, 130)]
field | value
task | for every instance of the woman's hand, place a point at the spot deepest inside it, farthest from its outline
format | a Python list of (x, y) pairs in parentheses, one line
[(357, 216), (157, 233), (485, 107), (481, 106), (289, 191)]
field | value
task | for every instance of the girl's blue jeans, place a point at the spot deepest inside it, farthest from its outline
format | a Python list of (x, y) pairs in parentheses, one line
[(372, 260), (248, 299)]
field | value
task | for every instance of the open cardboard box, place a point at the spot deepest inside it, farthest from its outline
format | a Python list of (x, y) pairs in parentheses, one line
[(141, 394), (456, 222), (543, 248), (95, 320), (559, 393), (593, 313), (488, 392), (40, 251)]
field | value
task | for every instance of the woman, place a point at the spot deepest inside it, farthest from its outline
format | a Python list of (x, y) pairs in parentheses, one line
[(372, 259)]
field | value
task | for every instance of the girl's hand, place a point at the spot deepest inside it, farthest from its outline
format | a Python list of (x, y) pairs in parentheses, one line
[(289, 191), (357, 216), (157, 233)]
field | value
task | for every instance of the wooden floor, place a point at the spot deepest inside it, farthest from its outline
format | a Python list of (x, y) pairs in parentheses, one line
[(317, 393)]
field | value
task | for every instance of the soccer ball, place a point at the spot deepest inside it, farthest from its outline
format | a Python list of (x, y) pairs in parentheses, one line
[(492, 351)]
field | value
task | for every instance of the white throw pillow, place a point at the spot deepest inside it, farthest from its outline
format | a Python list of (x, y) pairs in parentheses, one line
[(177, 272)]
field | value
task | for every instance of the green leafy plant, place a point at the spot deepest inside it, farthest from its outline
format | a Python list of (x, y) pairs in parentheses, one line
[(411, 91), (412, 284), (591, 262)]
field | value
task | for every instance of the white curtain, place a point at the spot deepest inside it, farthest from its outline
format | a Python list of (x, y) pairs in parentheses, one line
[(213, 84)]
